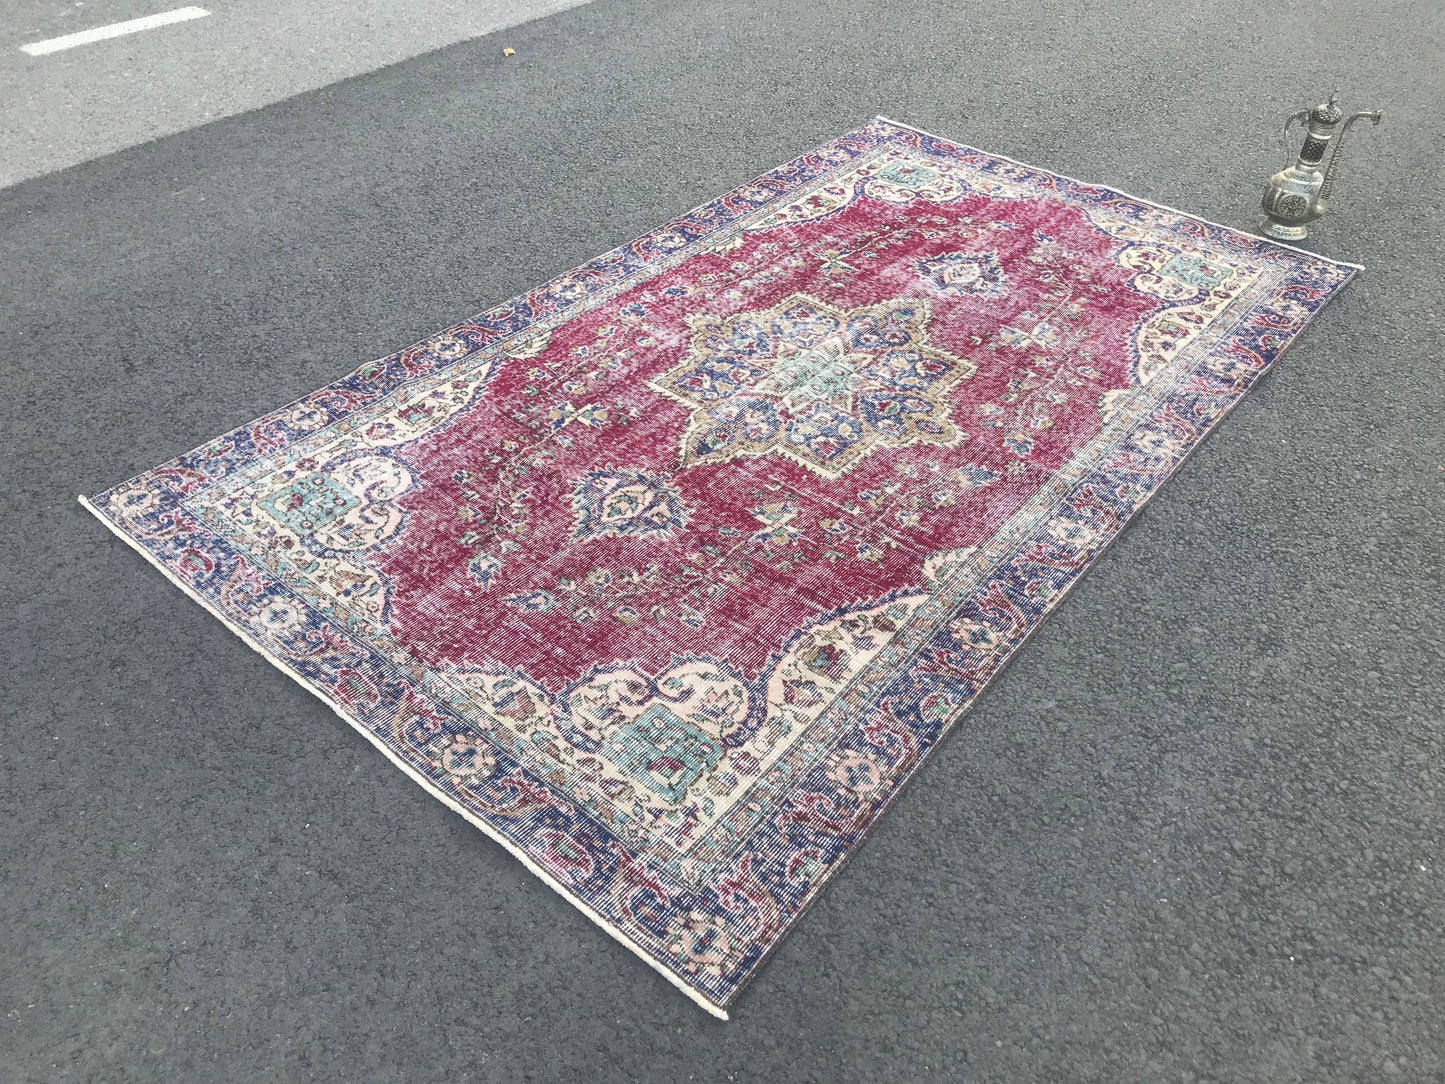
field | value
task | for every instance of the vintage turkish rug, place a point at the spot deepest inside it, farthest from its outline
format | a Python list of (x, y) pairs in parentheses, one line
[(671, 572)]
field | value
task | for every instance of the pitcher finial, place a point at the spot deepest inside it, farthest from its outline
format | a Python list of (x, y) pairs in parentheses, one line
[(1328, 112)]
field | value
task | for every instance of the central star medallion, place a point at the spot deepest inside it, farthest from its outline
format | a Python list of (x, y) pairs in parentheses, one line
[(821, 386), (823, 373)]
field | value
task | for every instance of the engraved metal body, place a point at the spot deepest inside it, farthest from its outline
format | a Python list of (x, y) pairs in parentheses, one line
[(1300, 193)]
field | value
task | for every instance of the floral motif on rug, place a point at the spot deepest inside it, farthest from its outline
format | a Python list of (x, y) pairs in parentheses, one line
[(669, 573)]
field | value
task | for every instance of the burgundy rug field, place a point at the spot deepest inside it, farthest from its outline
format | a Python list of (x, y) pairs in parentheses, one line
[(671, 572)]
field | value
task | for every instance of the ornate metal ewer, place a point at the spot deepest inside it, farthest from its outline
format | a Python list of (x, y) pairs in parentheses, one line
[(1300, 193)]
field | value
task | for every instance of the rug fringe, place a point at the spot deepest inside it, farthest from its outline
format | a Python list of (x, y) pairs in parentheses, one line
[(321, 694)]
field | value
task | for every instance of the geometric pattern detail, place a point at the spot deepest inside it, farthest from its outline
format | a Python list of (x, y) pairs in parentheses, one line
[(976, 273), (625, 502)]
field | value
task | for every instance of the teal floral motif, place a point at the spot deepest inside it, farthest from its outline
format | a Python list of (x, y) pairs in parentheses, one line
[(309, 503), (907, 180), (346, 505), (908, 175), (825, 372), (1201, 274), (664, 752)]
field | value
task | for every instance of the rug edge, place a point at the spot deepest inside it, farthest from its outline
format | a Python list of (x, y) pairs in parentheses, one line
[(713, 1008), (1127, 195)]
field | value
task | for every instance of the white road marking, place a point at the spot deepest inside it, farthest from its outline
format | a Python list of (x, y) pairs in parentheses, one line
[(114, 30)]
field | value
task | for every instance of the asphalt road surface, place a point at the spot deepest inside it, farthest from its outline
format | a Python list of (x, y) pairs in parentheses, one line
[(68, 107), (1193, 833)]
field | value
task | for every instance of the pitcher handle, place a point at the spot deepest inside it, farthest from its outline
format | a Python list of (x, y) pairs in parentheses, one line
[(1374, 117)]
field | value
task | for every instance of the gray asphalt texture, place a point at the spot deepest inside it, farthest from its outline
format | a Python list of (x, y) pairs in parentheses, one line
[(65, 108), (1193, 833)]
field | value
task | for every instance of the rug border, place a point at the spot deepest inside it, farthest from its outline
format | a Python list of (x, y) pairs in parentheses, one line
[(1137, 199), (720, 1011), (718, 1008), (1054, 603)]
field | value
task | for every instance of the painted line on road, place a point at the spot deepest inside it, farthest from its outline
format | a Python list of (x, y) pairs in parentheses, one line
[(113, 30)]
